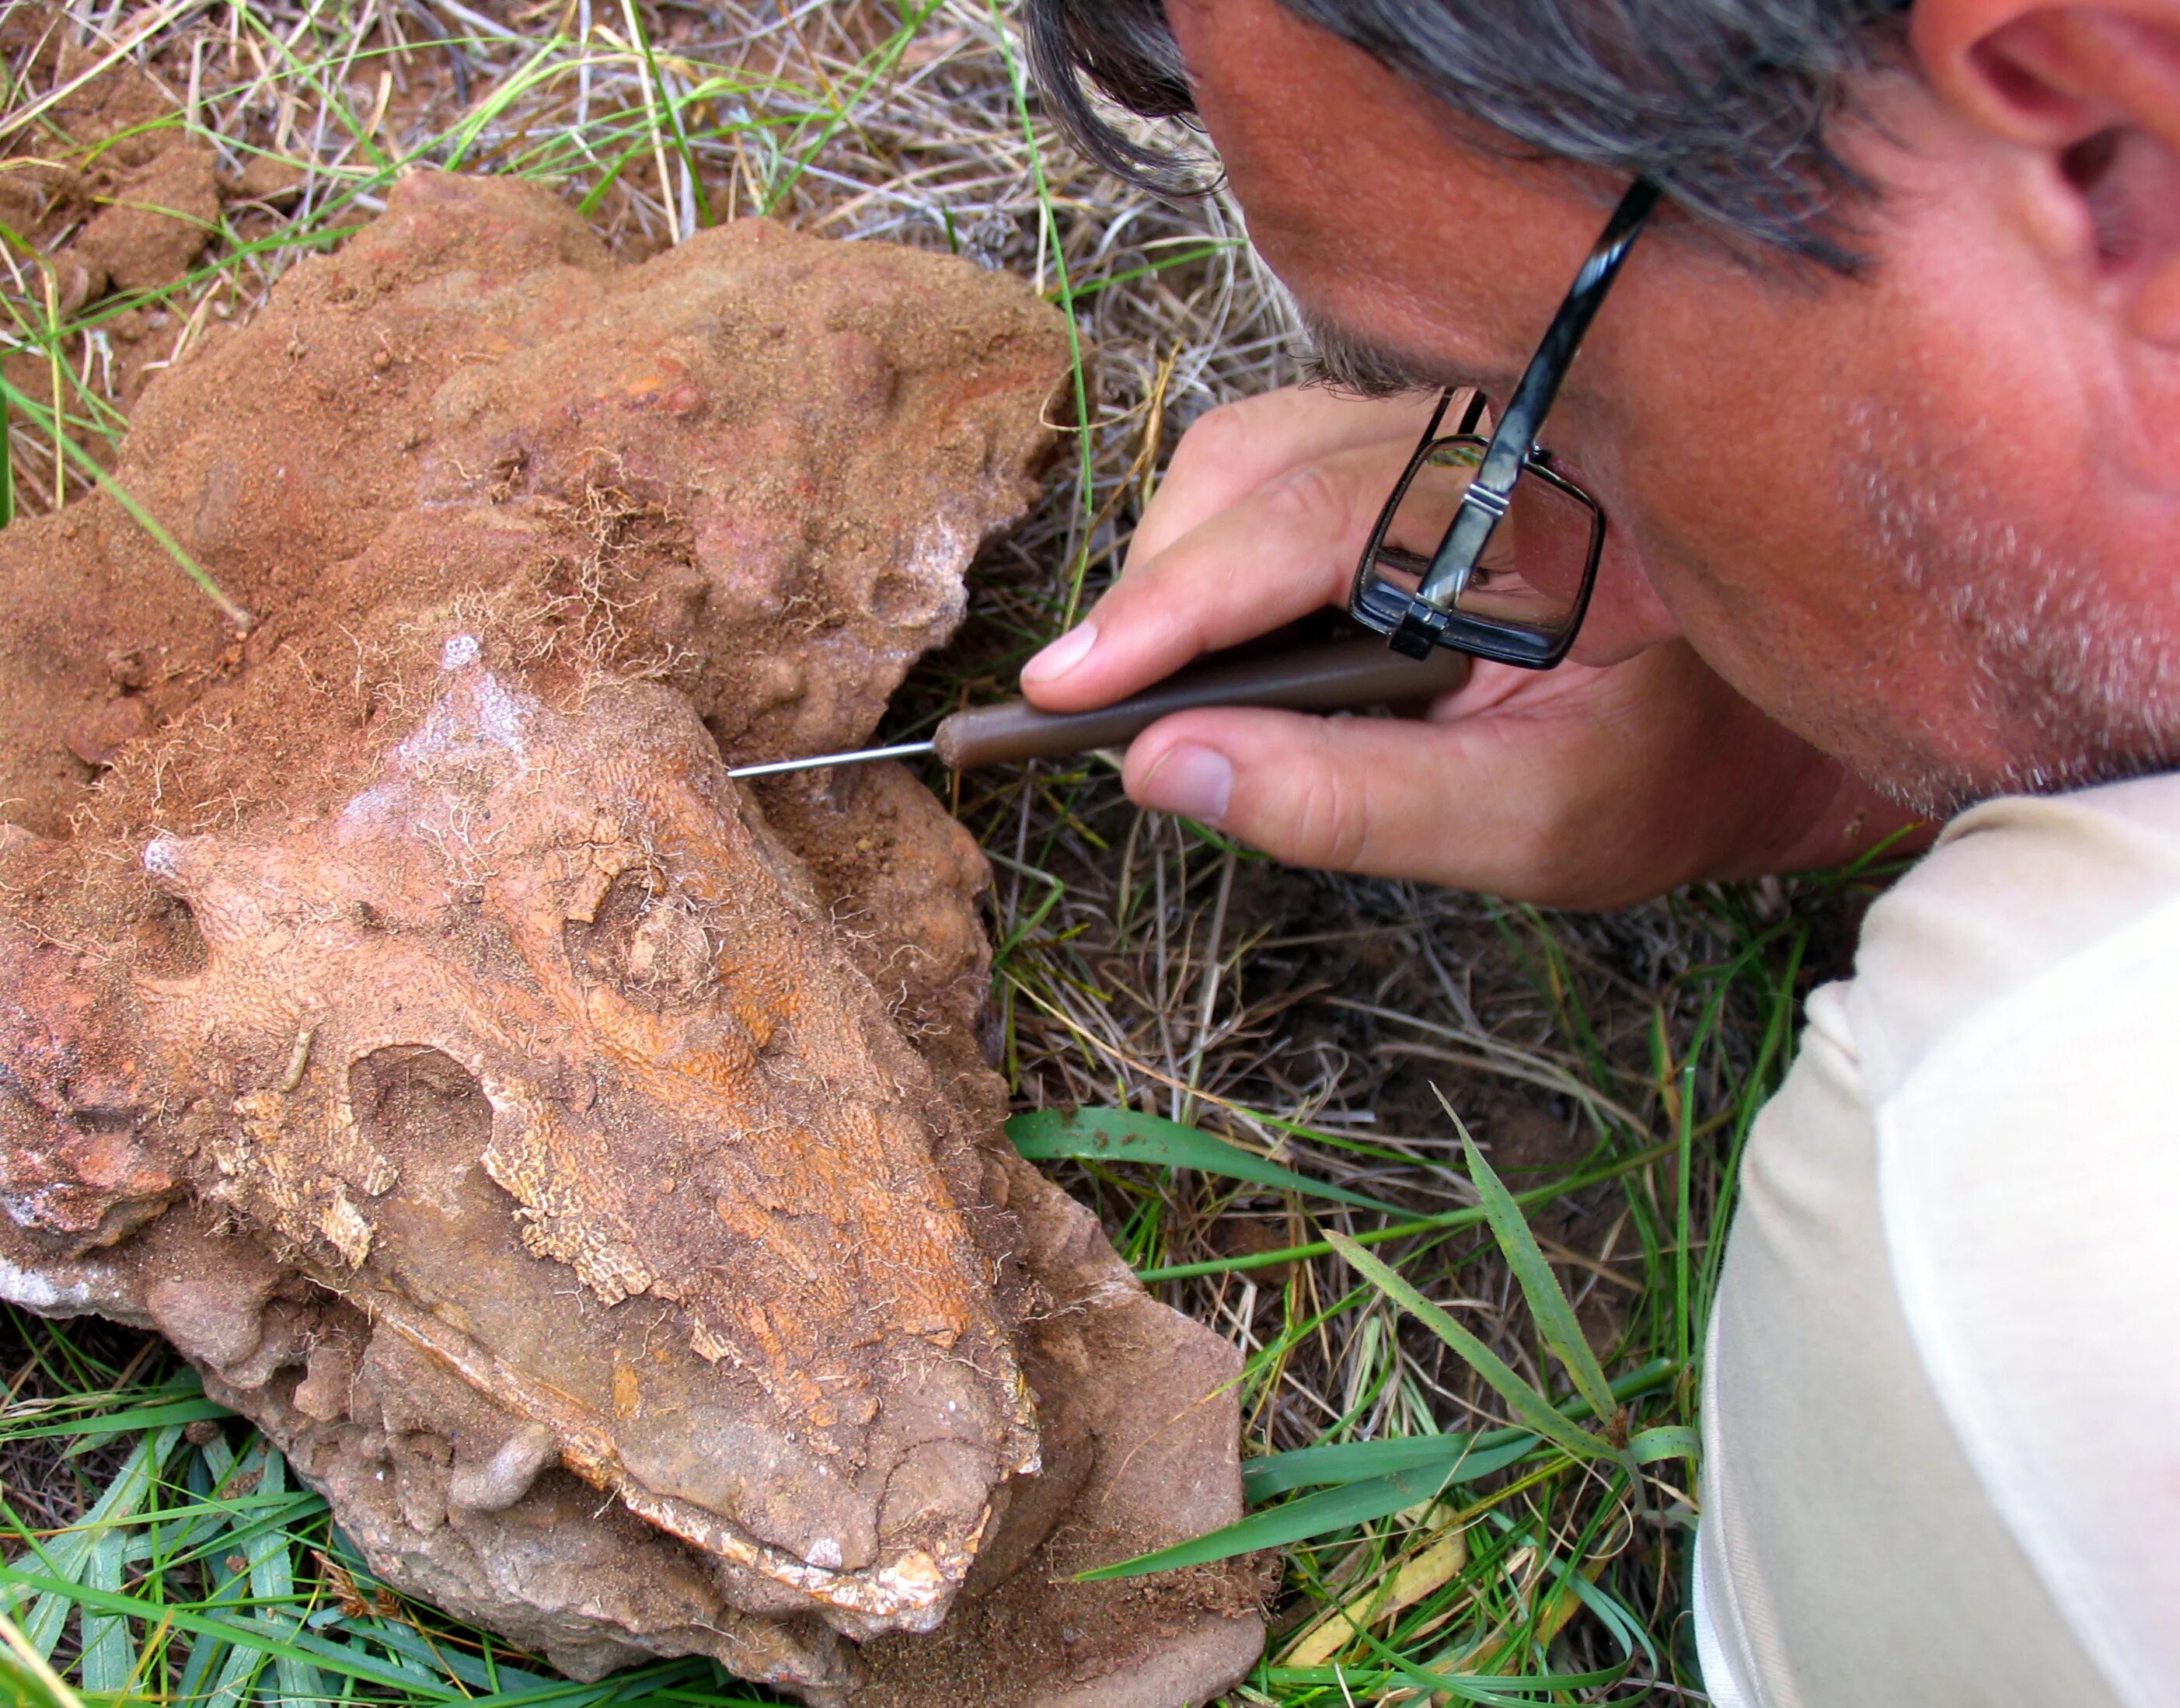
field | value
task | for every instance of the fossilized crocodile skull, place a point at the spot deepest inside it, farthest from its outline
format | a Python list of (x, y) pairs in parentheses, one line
[(581, 1167), (549, 959)]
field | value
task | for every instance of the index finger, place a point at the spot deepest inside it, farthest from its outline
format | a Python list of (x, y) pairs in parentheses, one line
[(1238, 447), (1282, 552)]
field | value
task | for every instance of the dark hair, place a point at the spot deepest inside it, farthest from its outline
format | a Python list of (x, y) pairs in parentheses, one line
[(1724, 104)]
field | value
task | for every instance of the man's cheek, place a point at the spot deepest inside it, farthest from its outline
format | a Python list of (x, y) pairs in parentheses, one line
[(1626, 613)]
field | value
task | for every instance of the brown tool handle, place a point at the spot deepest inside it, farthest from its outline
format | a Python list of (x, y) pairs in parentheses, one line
[(1337, 677)]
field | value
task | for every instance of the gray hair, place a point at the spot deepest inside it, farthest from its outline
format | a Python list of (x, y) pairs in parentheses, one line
[(1724, 104)]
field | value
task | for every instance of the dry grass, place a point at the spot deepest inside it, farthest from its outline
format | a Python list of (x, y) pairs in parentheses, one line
[(1609, 1065)]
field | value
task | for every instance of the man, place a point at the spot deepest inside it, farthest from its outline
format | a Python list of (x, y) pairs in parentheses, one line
[(1883, 416)]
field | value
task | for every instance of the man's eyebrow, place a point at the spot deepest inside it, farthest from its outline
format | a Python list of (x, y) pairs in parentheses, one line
[(1348, 361)]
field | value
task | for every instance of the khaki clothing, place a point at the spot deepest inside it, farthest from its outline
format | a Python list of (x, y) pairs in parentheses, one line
[(1942, 1393)]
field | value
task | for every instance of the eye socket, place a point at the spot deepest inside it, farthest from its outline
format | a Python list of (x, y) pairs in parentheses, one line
[(413, 1101), (647, 942), (170, 944)]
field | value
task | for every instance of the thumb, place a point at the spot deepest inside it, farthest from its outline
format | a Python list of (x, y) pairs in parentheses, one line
[(1572, 801), (1448, 803)]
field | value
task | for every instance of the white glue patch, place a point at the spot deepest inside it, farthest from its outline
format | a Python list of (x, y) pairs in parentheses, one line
[(34, 1291), (373, 805), (478, 713), (460, 650), (500, 715), (27, 1209), (933, 568)]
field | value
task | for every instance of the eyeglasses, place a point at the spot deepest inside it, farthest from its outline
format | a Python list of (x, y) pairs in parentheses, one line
[(1467, 552)]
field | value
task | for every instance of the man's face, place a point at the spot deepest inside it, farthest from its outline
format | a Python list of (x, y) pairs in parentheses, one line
[(1841, 490)]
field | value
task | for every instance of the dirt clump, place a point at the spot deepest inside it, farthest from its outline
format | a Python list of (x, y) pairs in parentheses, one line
[(408, 1017), (115, 194)]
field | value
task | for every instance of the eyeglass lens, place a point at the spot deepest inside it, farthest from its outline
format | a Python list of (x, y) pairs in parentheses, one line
[(1532, 573)]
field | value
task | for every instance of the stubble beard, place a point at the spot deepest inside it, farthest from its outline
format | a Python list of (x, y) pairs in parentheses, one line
[(2061, 685)]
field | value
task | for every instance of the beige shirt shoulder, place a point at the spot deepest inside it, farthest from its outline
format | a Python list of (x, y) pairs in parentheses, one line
[(1942, 1463)]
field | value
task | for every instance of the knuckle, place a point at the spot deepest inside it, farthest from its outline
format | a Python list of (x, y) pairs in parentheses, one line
[(1305, 493), (1218, 436), (1316, 503), (1328, 818)]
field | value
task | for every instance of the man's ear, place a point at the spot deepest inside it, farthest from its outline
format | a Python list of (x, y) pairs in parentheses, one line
[(2094, 87)]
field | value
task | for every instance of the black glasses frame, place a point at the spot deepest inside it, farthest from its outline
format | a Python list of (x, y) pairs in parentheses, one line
[(1415, 623)]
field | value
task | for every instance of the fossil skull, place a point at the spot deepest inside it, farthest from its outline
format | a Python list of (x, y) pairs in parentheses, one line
[(542, 990)]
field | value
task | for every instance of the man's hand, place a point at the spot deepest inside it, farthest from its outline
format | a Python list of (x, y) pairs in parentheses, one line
[(1591, 785)]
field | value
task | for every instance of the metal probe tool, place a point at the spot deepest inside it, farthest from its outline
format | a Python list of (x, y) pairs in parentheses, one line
[(1334, 676)]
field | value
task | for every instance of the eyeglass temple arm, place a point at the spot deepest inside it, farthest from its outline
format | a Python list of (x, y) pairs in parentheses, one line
[(1515, 439)]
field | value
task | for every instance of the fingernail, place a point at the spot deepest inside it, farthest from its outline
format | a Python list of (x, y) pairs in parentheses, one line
[(1193, 781), (1062, 655)]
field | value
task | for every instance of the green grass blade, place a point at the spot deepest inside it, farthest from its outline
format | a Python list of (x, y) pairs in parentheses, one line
[(1452, 1219), (492, 108), (1505, 1691), (840, 112), (660, 98), (94, 1431), (234, 1628), (1347, 1462), (273, 1582), (1086, 480), (1125, 1136), (1312, 1515), (144, 518), (109, 1660), (1530, 1407), (215, 1663), (1413, 1470), (1548, 1300), (67, 1556), (1164, 263), (1355, 1462), (406, 1642), (1668, 1441), (236, 1678), (29, 1678)]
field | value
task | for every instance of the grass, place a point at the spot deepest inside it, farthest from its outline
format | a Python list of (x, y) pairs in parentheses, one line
[(1472, 1372)]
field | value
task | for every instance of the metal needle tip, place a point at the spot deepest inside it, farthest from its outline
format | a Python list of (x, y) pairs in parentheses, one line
[(907, 750)]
